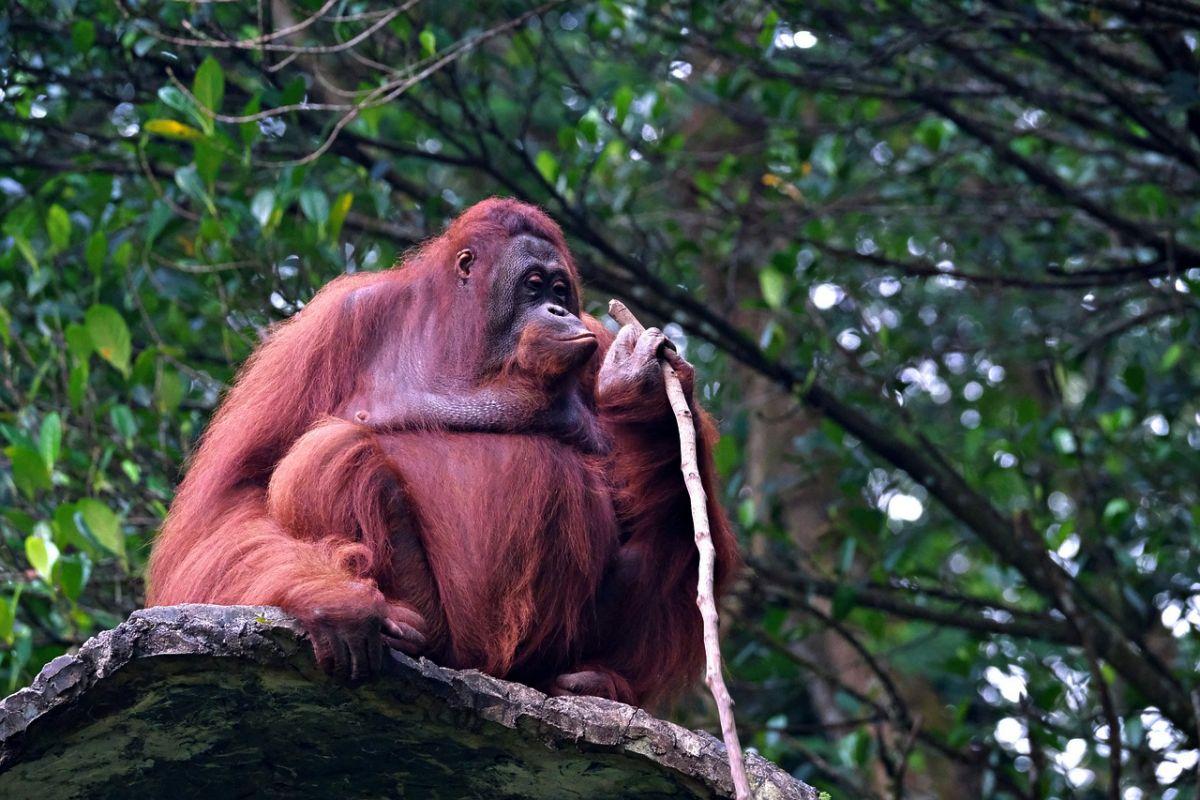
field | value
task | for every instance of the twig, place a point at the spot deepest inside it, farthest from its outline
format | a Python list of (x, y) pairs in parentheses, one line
[(714, 675)]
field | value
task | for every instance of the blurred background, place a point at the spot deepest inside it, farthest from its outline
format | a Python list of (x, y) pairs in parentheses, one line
[(937, 264)]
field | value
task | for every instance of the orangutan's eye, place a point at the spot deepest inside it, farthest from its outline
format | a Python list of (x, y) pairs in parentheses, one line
[(534, 281), (561, 291)]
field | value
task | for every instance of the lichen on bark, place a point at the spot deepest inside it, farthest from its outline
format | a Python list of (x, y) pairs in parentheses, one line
[(215, 701)]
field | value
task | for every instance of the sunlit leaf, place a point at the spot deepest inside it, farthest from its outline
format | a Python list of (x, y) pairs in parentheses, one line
[(58, 227), (337, 216), (50, 439), (774, 287), (172, 129), (547, 165), (428, 42), (109, 335), (103, 525), (1172, 356), (1116, 509), (42, 555), (262, 205)]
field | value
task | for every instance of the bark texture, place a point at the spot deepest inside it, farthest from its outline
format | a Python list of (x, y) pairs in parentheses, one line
[(218, 701)]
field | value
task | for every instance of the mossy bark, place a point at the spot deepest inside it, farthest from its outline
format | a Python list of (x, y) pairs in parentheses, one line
[(214, 702)]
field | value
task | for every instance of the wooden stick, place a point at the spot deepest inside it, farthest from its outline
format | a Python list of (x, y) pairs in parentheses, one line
[(714, 674)]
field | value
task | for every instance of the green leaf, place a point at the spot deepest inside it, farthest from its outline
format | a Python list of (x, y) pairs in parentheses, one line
[(102, 524), (109, 335), (72, 574), (145, 366), (1135, 378), (770, 27), (1027, 409), (262, 205), (341, 207), (19, 520), (931, 132), (209, 84), (1152, 199), (29, 471), (846, 558), (25, 249), (172, 97), (294, 92), (547, 165), (188, 179), (208, 161), (42, 555), (315, 205), (171, 129), (725, 456), (774, 287), (79, 342), (58, 227), (589, 128), (1172, 356), (845, 597), (50, 439), (124, 252), (5, 322), (83, 35), (747, 514), (96, 250), (249, 131), (621, 102), (1064, 441), (77, 384), (428, 42), (8, 615), (63, 525), (168, 391), (1116, 509), (122, 419), (161, 215)]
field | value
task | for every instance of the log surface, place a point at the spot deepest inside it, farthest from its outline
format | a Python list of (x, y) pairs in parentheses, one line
[(225, 701)]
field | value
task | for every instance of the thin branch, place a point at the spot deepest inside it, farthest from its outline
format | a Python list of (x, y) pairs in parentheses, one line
[(714, 673), (264, 43)]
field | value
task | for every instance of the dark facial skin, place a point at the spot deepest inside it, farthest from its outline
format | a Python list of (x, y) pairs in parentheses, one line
[(533, 311), (535, 344)]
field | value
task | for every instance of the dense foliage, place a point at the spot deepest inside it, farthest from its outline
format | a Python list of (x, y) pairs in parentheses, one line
[(937, 263)]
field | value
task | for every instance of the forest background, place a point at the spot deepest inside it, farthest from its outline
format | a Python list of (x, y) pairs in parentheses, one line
[(937, 264)]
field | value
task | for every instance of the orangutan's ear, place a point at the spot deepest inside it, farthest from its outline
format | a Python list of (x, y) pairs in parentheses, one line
[(462, 263)]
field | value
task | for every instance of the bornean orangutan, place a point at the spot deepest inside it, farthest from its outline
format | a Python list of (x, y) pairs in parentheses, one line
[(450, 459)]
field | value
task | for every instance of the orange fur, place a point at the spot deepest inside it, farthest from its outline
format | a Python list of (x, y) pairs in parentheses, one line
[(526, 555)]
